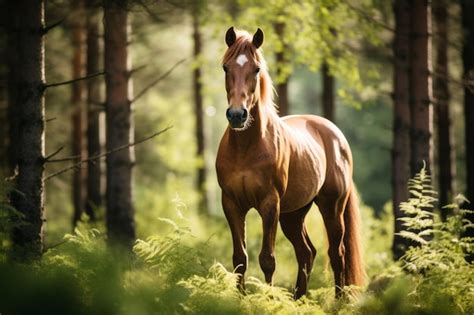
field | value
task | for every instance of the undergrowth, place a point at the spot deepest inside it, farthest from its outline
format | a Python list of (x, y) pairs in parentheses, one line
[(174, 272), (9, 217)]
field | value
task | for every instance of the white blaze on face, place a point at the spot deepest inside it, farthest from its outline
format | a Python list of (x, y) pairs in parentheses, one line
[(241, 60)]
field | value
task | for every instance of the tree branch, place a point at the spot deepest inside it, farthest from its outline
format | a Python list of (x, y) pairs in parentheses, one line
[(155, 82), (55, 245), (74, 80), (154, 16), (49, 156), (363, 14), (469, 84), (136, 69), (96, 157), (47, 28), (69, 158)]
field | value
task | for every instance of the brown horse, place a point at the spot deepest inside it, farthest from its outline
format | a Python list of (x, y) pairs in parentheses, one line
[(280, 166)]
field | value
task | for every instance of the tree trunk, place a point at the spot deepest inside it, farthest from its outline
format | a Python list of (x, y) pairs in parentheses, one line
[(282, 84), (119, 125), (198, 111), (79, 116), (441, 93), (13, 110), (467, 9), (4, 133), (94, 98), (328, 93), (420, 87), (401, 120), (4, 124), (29, 100)]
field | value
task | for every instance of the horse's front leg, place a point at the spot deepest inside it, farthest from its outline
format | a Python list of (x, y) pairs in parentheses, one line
[(269, 210), (236, 219)]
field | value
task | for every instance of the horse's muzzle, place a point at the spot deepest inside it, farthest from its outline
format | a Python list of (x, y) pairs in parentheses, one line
[(237, 117)]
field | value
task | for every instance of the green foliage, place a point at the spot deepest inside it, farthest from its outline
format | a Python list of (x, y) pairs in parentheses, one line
[(9, 217), (217, 286), (441, 252), (169, 255), (216, 293), (418, 221), (316, 31), (174, 272)]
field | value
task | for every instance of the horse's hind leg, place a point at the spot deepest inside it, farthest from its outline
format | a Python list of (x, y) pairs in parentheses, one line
[(332, 210), (294, 229)]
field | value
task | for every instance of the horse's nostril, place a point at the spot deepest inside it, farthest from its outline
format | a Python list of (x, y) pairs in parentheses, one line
[(236, 116), (245, 113)]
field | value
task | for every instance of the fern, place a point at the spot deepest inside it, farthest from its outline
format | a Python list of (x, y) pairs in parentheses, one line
[(169, 254), (440, 269), (419, 217), (82, 237), (216, 293)]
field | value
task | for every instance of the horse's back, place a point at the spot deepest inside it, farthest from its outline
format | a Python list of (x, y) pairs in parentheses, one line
[(313, 123), (324, 163), (324, 131)]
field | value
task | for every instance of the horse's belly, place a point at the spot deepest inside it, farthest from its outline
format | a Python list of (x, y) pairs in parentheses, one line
[(298, 194), (305, 179)]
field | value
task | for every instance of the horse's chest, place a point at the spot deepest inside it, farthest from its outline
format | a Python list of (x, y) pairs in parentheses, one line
[(248, 185), (245, 182)]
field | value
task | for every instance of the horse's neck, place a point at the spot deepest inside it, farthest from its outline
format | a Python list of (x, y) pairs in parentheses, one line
[(265, 123)]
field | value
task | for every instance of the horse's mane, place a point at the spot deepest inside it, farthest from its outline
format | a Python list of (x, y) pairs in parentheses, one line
[(243, 44)]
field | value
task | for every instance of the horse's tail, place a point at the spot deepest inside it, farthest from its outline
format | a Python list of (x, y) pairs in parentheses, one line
[(354, 266)]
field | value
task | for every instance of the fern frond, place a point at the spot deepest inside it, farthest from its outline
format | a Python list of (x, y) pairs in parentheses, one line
[(412, 236)]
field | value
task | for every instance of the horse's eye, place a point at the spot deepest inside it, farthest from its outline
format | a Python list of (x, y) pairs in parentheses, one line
[(257, 70), (225, 68)]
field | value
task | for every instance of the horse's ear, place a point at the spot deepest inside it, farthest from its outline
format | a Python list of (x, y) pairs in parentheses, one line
[(258, 38), (230, 36)]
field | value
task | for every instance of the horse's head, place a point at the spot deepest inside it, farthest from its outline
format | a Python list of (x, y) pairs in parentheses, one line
[(242, 63)]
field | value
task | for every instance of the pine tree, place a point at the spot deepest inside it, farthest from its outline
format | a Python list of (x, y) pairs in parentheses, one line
[(28, 99), (119, 124)]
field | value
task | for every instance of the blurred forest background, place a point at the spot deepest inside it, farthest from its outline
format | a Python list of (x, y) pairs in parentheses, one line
[(80, 79)]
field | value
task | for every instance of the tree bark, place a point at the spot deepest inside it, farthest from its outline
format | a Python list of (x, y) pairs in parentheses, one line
[(4, 123), (467, 12), (199, 114), (328, 93), (13, 105), (79, 115), (441, 92), (4, 132), (281, 86), (420, 87), (94, 97), (119, 125), (401, 120), (29, 100)]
